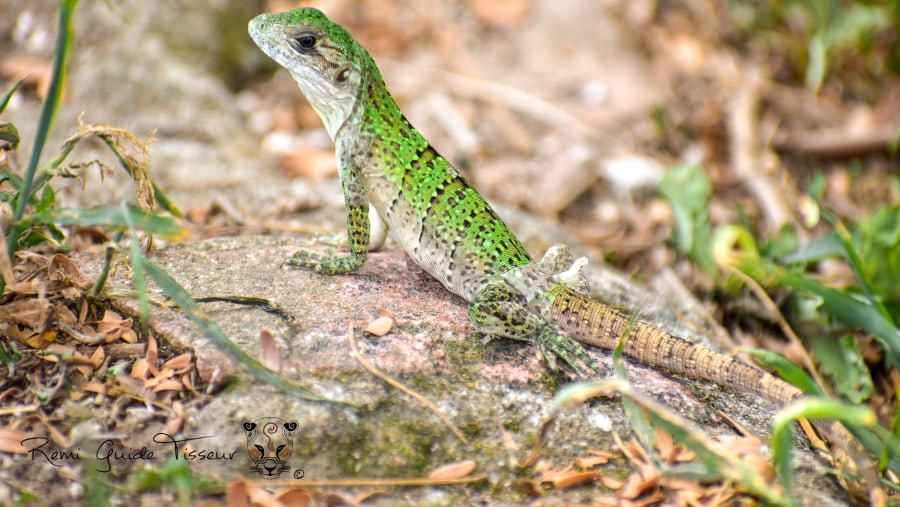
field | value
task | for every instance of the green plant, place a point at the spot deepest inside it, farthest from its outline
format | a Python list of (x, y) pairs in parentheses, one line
[(822, 37), (831, 321)]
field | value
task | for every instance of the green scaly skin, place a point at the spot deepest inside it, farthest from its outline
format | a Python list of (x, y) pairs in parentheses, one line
[(449, 230)]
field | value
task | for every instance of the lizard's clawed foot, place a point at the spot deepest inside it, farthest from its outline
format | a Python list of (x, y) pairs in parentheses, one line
[(552, 344), (329, 263)]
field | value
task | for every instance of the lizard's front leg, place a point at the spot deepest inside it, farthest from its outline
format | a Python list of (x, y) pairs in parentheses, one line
[(357, 231), (498, 309)]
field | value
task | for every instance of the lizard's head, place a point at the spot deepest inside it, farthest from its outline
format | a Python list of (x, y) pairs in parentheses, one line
[(324, 59)]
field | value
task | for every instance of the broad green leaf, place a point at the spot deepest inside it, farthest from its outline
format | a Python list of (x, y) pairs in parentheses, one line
[(850, 311), (813, 408), (827, 246), (10, 134), (818, 63), (842, 361), (688, 190)]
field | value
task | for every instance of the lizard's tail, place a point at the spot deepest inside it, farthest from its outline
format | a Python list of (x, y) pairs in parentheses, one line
[(594, 323)]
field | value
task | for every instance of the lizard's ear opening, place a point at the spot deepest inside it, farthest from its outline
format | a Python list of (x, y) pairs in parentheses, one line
[(343, 73)]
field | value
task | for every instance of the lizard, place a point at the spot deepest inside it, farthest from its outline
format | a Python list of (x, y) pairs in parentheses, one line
[(392, 177)]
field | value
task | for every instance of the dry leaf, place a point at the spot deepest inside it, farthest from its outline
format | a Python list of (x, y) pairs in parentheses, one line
[(188, 383), (639, 483), (32, 312), (158, 378), (152, 354), (611, 482), (543, 466), (737, 444), (268, 353), (41, 340), (179, 364), (141, 369), (451, 471), (762, 466), (262, 497), (588, 462), (11, 440), (94, 386), (574, 479), (380, 326), (171, 384), (236, 494), (116, 327), (529, 487), (176, 418), (98, 357), (295, 497)]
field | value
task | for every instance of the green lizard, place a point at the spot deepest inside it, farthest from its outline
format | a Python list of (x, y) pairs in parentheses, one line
[(449, 230)]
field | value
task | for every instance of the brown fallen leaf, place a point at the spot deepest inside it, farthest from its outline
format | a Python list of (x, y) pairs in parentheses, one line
[(638, 483), (295, 497), (11, 440), (180, 364), (116, 327), (31, 312), (171, 384), (588, 462), (236, 493), (456, 470), (140, 369), (268, 353), (98, 357), (574, 479)]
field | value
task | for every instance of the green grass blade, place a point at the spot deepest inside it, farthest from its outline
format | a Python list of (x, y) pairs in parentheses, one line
[(110, 217), (48, 112), (137, 265), (813, 408), (8, 95)]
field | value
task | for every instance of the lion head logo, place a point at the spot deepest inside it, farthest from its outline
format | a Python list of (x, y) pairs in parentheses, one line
[(270, 443)]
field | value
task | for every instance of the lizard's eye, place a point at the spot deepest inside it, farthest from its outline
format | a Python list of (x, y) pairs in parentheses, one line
[(306, 41)]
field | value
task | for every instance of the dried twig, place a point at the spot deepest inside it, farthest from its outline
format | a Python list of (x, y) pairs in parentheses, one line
[(747, 151), (423, 400), (837, 143), (786, 328)]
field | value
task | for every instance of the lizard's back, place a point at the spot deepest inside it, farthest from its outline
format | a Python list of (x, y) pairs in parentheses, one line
[(444, 225)]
